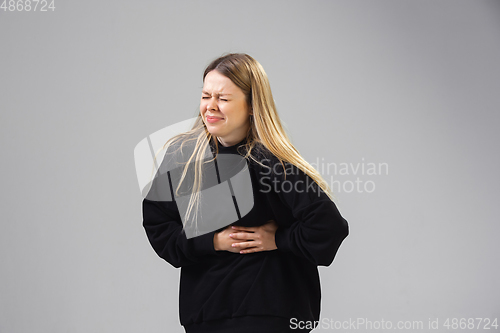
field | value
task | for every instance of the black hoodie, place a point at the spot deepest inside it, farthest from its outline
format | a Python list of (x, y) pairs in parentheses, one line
[(267, 291)]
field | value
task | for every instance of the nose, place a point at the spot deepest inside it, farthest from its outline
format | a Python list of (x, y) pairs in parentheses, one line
[(211, 105)]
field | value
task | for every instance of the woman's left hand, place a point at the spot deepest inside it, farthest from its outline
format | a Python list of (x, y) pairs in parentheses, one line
[(255, 239)]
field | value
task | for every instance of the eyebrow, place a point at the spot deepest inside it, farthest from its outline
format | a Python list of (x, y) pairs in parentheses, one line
[(206, 93)]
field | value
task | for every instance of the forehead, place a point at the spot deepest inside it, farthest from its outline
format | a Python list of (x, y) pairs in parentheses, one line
[(216, 83)]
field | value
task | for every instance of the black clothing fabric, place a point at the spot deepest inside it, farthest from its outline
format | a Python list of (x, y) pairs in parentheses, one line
[(221, 291)]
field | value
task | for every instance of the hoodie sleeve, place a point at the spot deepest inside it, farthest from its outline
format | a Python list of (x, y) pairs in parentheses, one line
[(163, 226), (319, 228)]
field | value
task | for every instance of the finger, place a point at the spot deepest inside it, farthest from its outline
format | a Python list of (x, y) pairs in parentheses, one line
[(241, 235), (249, 229), (242, 245), (250, 250), (238, 242)]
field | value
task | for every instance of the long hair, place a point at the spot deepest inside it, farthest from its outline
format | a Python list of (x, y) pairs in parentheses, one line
[(265, 128)]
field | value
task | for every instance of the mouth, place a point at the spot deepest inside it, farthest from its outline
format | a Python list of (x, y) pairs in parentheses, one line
[(213, 119)]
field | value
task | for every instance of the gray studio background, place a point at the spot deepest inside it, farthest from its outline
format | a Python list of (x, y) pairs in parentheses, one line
[(412, 84)]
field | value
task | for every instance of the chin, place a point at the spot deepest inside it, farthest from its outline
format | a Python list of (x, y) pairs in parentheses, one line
[(214, 133), (215, 130)]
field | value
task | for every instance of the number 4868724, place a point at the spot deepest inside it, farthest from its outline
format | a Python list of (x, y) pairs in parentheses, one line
[(27, 5)]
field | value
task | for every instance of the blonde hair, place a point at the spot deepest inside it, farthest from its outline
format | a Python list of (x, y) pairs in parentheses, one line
[(265, 128)]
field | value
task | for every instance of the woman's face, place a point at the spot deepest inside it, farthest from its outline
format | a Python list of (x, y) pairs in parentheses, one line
[(224, 109)]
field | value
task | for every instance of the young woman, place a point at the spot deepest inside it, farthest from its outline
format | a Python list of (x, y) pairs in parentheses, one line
[(258, 273)]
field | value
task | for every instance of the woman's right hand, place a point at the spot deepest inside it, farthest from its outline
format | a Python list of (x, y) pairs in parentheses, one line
[(222, 241)]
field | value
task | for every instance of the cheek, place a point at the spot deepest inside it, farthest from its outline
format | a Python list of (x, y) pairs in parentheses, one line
[(242, 111)]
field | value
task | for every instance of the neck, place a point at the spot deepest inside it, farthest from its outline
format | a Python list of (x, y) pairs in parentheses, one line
[(229, 143)]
